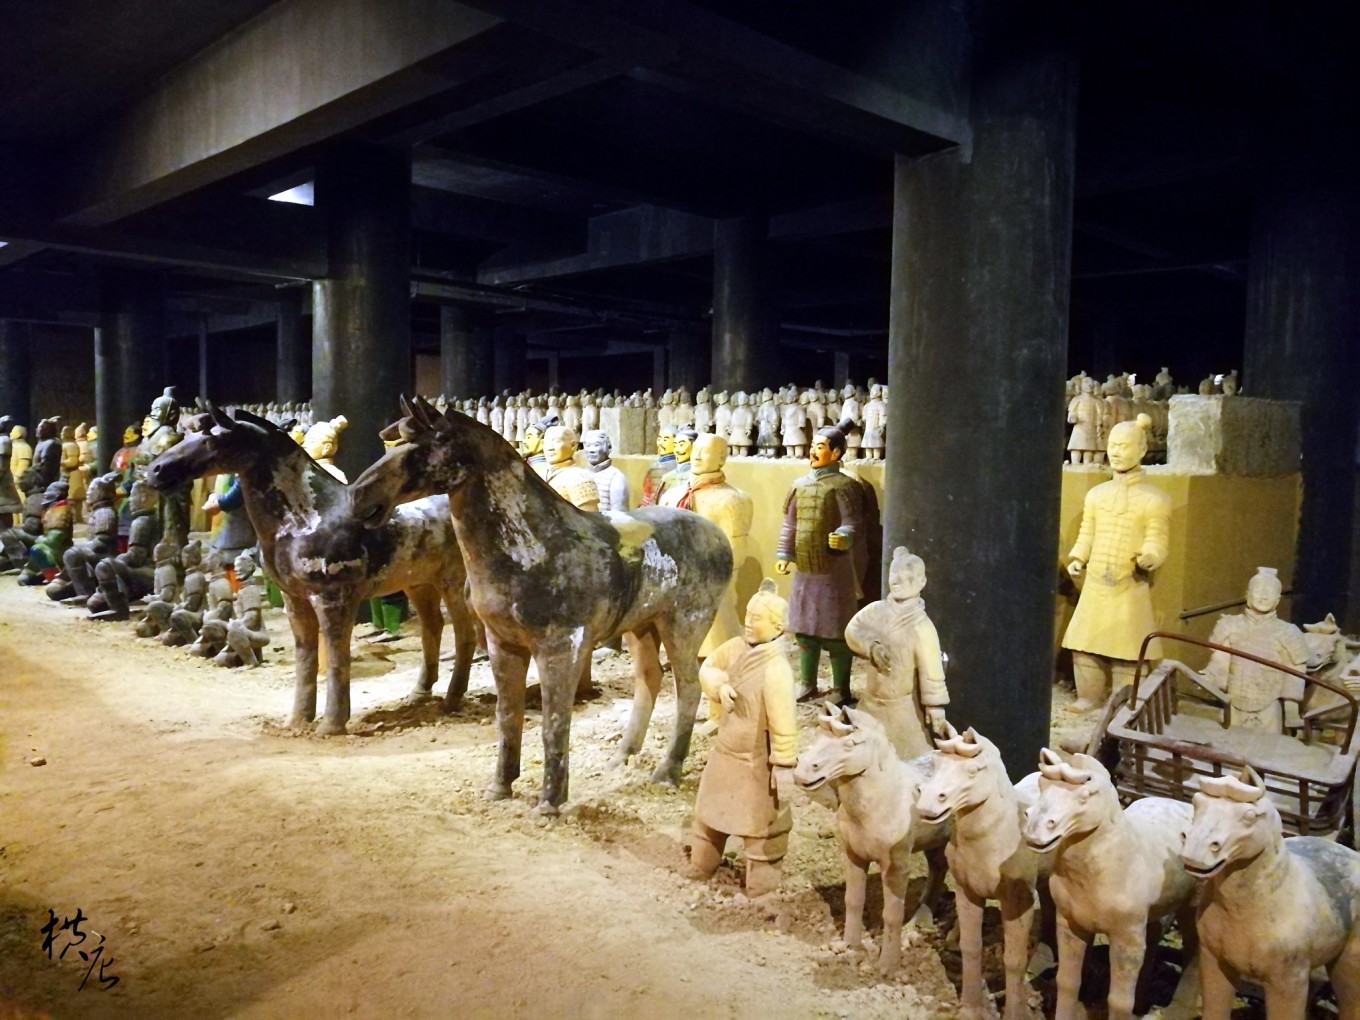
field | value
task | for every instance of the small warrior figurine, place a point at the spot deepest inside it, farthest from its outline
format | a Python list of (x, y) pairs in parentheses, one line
[(875, 423), (131, 574), (1086, 415), (795, 427), (747, 783), (1124, 537), (45, 554), (188, 615), (722, 414), (1259, 697), (20, 457), (79, 580), (246, 634), (73, 470), (707, 492), (17, 540), (160, 431), (164, 592), (665, 460), (822, 513), (850, 412), (741, 425), (212, 635), (575, 484), (905, 691), (47, 454), (767, 424), (11, 502), (322, 443), (609, 480), (673, 482), (703, 411), (531, 443)]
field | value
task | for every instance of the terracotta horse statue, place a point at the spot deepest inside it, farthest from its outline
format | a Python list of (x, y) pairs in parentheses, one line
[(551, 582), (326, 562)]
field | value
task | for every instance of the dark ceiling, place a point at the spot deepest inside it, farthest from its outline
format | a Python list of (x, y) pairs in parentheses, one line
[(588, 154)]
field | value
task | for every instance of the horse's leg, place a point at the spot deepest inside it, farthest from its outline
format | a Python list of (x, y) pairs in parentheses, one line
[(302, 619), (856, 879), (683, 638), (425, 601), (644, 644), (1017, 918), (464, 645), (894, 878), (559, 670), (973, 994), (1071, 955), (937, 868), (336, 616), (509, 666)]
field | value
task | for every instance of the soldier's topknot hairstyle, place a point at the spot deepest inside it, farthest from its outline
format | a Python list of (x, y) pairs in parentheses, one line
[(835, 434)]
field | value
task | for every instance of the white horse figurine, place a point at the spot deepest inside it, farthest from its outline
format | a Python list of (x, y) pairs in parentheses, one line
[(1116, 872), (988, 856), (875, 819), (1270, 908)]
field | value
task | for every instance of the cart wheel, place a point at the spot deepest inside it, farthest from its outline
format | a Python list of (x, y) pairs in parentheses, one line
[(1102, 747)]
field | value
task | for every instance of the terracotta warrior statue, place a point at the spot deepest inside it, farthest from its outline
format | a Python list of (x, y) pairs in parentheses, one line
[(722, 414), (747, 783), (741, 426), (20, 457), (905, 691), (16, 541), (246, 634), (73, 470), (160, 431), (11, 502), (703, 411), (822, 514), (707, 492), (673, 482), (767, 424), (665, 460), (165, 586), (576, 484), (531, 443), (221, 604), (850, 412), (188, 615), (78, 579), (611, 483), (130, 575), (45, 554), (875, 423), (322, 443), (795, 426), (1124, 537), (1086, 415), (1259, 697), (47, 453)]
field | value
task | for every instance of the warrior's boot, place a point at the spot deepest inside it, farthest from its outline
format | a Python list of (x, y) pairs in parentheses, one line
[(809, 654), (841, 661)]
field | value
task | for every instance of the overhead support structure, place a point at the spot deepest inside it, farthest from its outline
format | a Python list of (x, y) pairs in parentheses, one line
[(130, 353), (466, 364), (977, 354), (361, 313), (744, 342)]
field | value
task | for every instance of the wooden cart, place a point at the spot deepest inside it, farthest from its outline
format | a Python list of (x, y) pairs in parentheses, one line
[(1168, 728)]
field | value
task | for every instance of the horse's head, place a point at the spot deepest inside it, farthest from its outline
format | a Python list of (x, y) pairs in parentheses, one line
[(1073, 800), (849, 743), (968, 770), (227, 446), (430, 452), (1233, 821)]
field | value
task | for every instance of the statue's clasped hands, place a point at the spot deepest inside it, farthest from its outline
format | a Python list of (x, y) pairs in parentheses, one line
[(728, 696)]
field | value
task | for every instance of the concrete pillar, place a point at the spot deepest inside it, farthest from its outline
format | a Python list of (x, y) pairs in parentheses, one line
[(361, 318), (687, 359), (977, 352), (131, 352), (293, 369), (204, 360), (465, 356), (107, 398), (508, 355), (16, 380), (744, 344), (1303, 339)]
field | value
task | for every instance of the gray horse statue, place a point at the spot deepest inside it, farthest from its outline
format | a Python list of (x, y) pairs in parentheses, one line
[(326, 562), (552, 582)]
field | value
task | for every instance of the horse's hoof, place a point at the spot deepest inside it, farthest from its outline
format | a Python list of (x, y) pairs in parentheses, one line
[(618, 761), (419, 696), (666, 776), (496, 791), (330, 728), (547, 809)]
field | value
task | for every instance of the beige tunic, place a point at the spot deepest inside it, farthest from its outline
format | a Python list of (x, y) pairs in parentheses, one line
[(1121, 519), (907, 670), (1255, 692), (575, 484), (737, 792), (711, 497)]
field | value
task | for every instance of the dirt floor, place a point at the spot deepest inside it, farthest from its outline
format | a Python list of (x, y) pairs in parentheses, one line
[(234, 869)]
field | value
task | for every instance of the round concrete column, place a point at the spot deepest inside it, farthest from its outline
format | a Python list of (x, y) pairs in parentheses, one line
[(361, 313), (465, 355), (977, 352)]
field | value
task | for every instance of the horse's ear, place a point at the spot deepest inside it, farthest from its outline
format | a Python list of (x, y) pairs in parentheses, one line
[(391, 433), (220, 417), (437, 419)]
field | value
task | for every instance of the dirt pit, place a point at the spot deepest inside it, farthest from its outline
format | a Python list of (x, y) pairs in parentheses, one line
[(225, 867)]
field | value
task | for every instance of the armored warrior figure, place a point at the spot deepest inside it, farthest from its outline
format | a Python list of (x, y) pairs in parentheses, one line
[(665, 460), (1086, 415), (1124, 537), (496, 416), (10, 501), (16, 541), (609, 480), (47, 454), (590, 413), (906, 691), (129, 576), (160, 432), (165, 586), (822, 514), (707, 492), (322, 443), (78, 579), (73, 470), (44, 555), (747, 783), (246, 634), (703, 411), (875, 423), (531, 443), (212, 635), (767, 425), (816, 406), (850, 413), (795, 427), (188, 615), (575, 484), (722, 415), (571, 414), (1260, 697), (672, 485), (741, 426), (20, 458)]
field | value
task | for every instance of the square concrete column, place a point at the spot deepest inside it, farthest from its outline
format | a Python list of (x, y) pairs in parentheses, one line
[(977, 354), (744, 342)]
